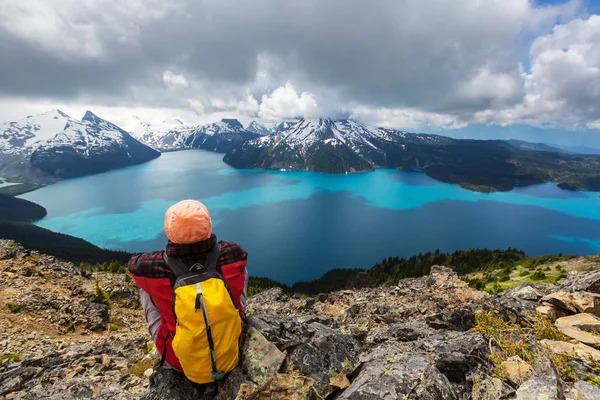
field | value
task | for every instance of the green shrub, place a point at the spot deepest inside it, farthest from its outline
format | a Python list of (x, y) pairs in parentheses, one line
[(494, 289), (15, 309), (538, 275), (101, 296)]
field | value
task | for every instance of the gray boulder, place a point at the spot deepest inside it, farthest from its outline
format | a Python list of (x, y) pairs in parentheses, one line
[(544, 384), (390, 372)]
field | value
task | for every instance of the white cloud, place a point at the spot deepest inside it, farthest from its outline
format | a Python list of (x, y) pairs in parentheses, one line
[(80, 29), (246, 105), (174, 80), (563, 86), (285, 103), (196, 105), (404, 118)]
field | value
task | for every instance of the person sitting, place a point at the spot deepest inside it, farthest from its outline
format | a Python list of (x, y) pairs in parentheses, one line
[(191, 245)]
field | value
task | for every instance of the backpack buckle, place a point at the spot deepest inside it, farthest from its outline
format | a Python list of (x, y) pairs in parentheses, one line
[(197, 267)]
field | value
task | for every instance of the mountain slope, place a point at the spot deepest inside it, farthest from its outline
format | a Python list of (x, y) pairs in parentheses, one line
[(42, 148), (24, 136), (90, 146), (350, 145), (19, 210), (534, 146), (219, 136)]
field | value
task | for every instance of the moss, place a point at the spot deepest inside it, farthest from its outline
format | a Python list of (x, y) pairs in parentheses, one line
[(113, 327), (594, 380), (141, 366), (11, 356), (348, 366), (567, 371), (32, 259), (15, 309)]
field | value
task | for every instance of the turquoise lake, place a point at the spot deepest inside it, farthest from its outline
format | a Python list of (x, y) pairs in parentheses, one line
[(297, 225)]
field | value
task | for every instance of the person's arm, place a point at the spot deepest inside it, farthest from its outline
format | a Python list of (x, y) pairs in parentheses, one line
[(151, 312)]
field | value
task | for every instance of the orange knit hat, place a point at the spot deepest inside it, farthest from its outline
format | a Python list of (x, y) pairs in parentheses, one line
[(188, 222)]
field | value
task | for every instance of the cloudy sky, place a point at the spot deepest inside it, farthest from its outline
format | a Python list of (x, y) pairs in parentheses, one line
[(478, 68)]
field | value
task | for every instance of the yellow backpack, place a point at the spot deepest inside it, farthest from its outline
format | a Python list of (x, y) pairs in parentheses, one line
[(208, 324)]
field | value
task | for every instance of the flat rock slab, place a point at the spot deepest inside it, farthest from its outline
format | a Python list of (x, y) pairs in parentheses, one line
[(579, 335), (517, 369), (575, 302), (584, 391), (489, 388), (582, 327), (586, 322), (578, 350), (551, 312), (279, 387), (262, 359)]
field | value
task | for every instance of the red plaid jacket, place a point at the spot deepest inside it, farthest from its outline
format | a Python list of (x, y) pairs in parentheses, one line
[(151, 274)]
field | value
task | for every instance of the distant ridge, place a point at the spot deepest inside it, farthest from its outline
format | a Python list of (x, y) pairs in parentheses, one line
[(347, 146)]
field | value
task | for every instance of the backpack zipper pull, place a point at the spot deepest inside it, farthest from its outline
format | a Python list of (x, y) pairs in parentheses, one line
[(198, 297), (198, 302)]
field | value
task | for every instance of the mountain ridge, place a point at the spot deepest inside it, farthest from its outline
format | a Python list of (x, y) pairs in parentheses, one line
[(50, 146), (218, 136), (347, 146)]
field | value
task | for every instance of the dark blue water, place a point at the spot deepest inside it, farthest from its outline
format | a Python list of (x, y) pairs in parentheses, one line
[(297, 225)]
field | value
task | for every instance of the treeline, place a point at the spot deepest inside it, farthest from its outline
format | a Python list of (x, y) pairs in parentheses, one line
[(257, 285), (62, 246), (390, 270), (19, 210)]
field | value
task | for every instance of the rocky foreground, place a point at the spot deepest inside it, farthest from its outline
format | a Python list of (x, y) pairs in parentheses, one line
[(69, 334)]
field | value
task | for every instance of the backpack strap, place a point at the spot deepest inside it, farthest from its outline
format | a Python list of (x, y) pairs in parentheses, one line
[(213, 257), (175, 265)]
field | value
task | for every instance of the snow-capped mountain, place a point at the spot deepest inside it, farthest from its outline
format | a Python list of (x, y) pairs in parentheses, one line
[(283, 126), (24, 136), (60, 146), (259, 128), (167, 136), (219, 136), (331, 146)]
